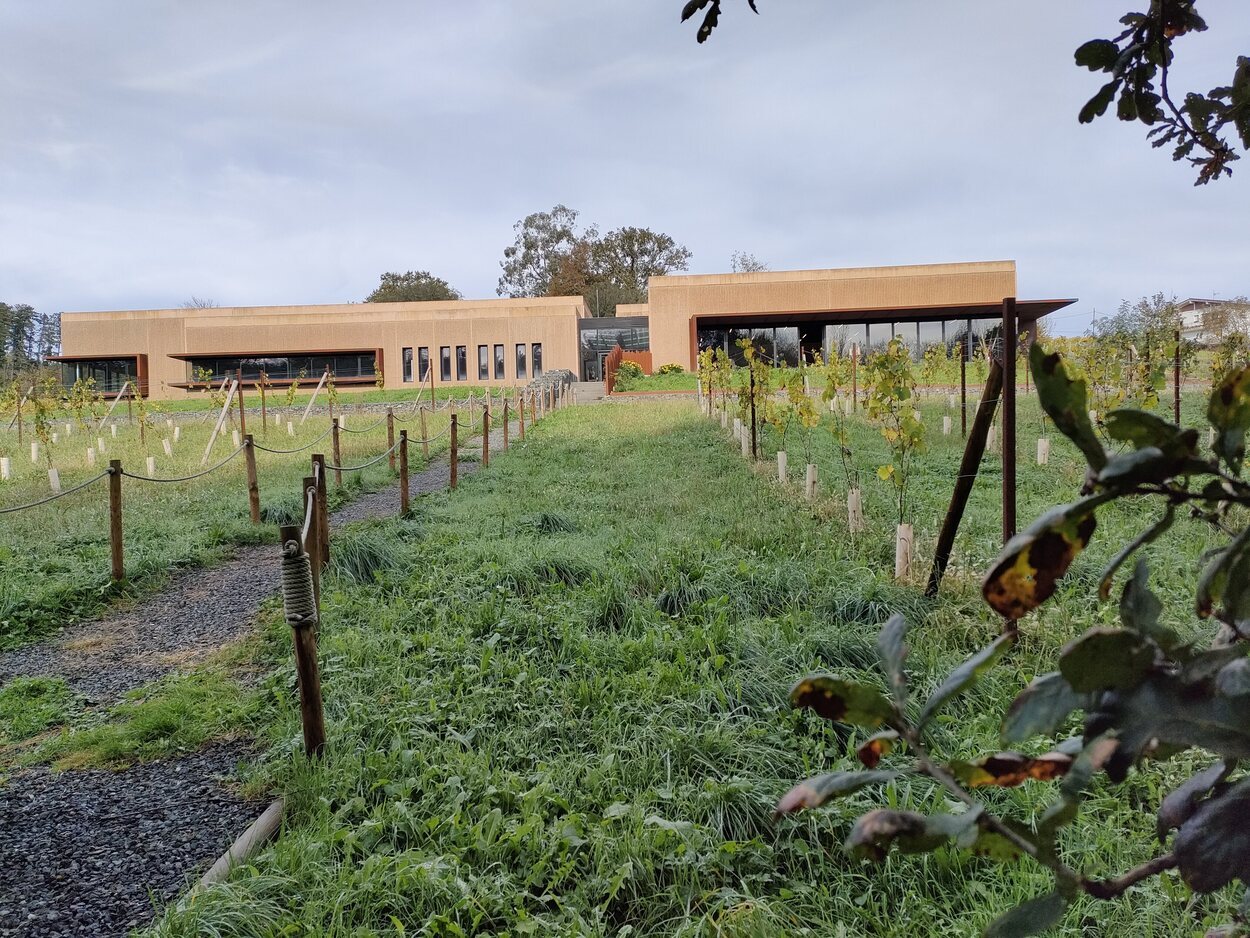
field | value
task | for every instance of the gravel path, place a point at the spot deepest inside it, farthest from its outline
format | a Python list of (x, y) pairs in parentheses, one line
[(199, 611), (89, 852)]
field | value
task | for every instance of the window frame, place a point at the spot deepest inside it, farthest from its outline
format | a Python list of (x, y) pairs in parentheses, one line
[(521, 361), (406, 361), (500, 361), (462, 363), (444, 362)]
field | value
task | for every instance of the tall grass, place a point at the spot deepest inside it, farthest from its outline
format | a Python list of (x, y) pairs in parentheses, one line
[(580, 729)]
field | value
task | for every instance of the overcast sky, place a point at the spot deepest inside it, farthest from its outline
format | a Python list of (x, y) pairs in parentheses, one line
[(289, 152)]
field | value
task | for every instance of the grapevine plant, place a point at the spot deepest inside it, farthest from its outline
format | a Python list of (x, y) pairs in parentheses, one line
[(837, 377), (891, 386), (1145, 692)]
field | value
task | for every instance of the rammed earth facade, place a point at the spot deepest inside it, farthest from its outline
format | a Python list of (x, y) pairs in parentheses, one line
[(789, 315)]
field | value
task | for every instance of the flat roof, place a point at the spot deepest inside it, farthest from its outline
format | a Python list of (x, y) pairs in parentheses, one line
[(1026, 311)]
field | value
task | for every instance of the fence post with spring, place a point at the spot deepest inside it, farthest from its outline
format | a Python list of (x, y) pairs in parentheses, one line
[(403, 472), (253, 486), (299, 604), (115, 520), (390, 435), (337, 453), (485, 437), (455, 452), (323, 510)]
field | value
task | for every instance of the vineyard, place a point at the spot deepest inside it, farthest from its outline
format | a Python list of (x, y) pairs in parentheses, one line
[(570, 697)]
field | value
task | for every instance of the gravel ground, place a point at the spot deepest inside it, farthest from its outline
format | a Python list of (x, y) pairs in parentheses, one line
[(88, 853)]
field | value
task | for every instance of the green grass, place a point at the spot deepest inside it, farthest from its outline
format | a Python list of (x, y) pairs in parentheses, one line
[(349, 397), (560, 707), (683, 381), (54, 558), (30, 705)]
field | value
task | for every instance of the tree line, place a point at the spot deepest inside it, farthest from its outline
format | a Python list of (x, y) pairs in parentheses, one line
[(27, 338)]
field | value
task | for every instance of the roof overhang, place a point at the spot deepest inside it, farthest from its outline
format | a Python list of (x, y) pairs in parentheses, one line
[(1027, 311)]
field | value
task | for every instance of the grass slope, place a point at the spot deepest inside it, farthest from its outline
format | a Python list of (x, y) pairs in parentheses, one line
[(559, 707)]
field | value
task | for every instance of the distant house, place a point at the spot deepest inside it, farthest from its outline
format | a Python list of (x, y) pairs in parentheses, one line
[(1198, 317)]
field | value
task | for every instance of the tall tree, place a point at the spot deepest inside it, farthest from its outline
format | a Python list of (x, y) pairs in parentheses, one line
[(412, 286), (543, 239), (1136, 62), (629, 257), (48, 342), (742, 262)]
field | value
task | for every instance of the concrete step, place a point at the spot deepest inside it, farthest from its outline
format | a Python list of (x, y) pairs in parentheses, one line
[(588, 392)]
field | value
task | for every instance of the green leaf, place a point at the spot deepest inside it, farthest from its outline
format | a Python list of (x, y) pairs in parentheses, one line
[(1213, 846), (966, 675), (816, 791), (1090, 759), (1229, 412), (1031, 564), (1140, 608), (1140, 466), (1146, 537), (842, 701), (1142, 428), (1227, 578), (1179, 805), (1029, 918), (1065, 401), (1107, 659), (875, 832), (1097, 55), (892, 647), (1234, 678), (1040, 708)]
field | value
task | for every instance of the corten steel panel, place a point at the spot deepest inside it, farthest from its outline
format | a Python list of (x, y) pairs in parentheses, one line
[(162, 334), (672, 301)]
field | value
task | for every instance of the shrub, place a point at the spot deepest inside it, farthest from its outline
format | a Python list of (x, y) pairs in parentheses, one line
[(672, 368), (628, 375)]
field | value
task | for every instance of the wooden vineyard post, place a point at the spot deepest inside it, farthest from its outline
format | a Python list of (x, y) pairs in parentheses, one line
[(242, 413), (312, 544), (390, 435), (425, 435), (963, 387), (533, 408), (974, 450), (253, 487), (505, 425), (264, 414), (485, 437), (403, 472), (336, 452), (455, 452), (520, 412), (1011, 341), (302, 616), (115, 521), (1176, 381), (323, 502)]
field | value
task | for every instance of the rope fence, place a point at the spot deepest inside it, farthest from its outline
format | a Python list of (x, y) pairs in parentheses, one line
[(313, 535)]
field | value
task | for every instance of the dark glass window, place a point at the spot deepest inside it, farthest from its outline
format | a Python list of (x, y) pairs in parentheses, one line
[(598, 336), (536, 355), (462, 363), (110, 374), (423, 363), (483, 363), (499, 362), (283, 368), (407, 364), (444, 370), (520, 359)]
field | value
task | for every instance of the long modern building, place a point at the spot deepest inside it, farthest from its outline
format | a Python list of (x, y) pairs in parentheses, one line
[(787, 314)]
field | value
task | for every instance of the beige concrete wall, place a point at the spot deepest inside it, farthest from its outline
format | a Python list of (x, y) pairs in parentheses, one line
[(551, 321), (672, 301)]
